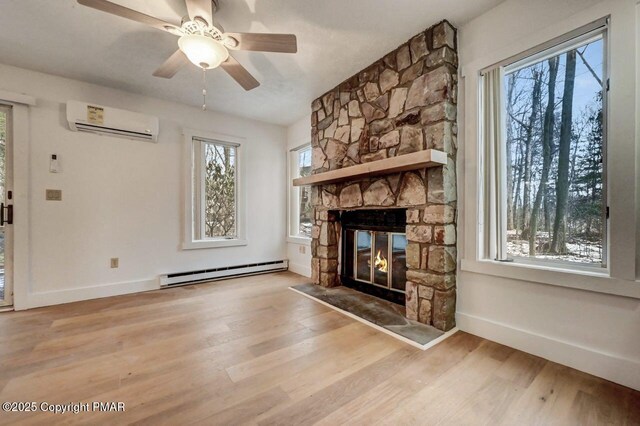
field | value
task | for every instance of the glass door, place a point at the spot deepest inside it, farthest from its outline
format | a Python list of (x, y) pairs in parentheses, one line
[(6, 213), (376, 257)]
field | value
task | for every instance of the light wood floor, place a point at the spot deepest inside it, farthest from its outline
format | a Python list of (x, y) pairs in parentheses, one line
[(251, 351)]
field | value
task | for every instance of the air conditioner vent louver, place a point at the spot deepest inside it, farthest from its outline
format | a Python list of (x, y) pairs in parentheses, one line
[(222, 272), (115, 132)]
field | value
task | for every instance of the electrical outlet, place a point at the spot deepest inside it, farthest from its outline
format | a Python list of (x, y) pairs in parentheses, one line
[(114, 262), (302, 249)]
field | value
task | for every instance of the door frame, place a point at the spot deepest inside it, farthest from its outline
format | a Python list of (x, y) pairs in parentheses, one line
[(21, 109), (7, 109)]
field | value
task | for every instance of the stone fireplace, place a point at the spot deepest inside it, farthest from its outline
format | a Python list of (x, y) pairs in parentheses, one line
[(401, 105)]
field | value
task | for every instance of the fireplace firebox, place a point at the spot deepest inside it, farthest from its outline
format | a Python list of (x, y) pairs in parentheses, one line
[(373, 252)]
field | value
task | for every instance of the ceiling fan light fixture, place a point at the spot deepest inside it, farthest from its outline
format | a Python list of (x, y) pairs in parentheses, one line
[(203, 51)]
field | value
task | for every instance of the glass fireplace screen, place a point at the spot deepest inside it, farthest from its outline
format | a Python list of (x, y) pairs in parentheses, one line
[(377, 258)]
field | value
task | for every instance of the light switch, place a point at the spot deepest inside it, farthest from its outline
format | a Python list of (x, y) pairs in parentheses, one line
[(54, 195)]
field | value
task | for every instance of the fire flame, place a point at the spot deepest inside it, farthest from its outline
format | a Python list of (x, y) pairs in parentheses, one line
[(380, 263)]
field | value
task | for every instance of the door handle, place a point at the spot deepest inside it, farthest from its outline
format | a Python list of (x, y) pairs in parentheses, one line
[(9, 219)]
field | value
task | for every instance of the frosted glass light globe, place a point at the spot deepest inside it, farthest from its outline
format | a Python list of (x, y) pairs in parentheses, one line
[(203, 51)]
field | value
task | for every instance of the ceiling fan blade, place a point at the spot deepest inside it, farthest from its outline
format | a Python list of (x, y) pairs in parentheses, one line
[(125, 12), (201, 8), (172, 65), (239, 73), (283, 43)]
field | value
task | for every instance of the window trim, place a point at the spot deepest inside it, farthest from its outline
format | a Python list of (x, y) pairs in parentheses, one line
[(189, 241), (593, 26), (557, 46), (594, 281), (293, 214)]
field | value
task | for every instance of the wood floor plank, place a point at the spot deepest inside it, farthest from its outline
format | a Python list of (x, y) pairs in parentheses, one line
[(289, 339), (249, 351), (451, 393), (339, 393), (283, 374), (245, 411), (266, 362), (406, 382)]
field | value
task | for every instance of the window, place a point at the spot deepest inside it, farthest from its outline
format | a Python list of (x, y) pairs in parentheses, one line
[(300, 197), (213, 202), (545, 113)]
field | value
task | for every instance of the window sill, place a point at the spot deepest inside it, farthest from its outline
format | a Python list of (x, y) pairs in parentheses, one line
[(299, 240), (596, 281), (203, 244)]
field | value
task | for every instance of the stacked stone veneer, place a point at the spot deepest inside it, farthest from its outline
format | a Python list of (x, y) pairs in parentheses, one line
[(403, 103)]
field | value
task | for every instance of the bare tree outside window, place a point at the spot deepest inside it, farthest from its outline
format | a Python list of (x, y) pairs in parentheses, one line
[(305, 211), (219, 190), (555, 176)]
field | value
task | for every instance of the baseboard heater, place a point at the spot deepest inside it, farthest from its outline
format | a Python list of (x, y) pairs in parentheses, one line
[(223, 272)]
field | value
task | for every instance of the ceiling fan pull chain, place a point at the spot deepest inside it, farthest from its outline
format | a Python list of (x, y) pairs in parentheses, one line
[(204, 89)]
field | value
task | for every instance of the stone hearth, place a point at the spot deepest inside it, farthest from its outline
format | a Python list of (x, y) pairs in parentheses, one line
[(403, 103)]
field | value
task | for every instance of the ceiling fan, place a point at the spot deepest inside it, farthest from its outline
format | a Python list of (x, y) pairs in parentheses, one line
[(203, 41)]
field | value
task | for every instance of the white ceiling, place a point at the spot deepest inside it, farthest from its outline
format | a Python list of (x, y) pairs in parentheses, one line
[(336, 39)]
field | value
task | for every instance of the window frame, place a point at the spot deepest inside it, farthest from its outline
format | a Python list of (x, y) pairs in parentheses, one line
[(593, 31), (191, 230), (293, 222)]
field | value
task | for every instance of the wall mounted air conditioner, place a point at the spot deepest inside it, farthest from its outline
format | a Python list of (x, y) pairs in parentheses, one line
[(84, 117)]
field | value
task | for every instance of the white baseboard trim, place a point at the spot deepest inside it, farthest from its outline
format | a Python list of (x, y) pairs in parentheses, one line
[(601, 364), (300, 269), (48, 298), (382, 329)]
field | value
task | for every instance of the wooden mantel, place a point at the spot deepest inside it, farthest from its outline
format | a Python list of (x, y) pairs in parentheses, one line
[(401, 163)]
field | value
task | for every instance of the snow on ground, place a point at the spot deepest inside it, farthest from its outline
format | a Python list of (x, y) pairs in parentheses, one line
[(580, 251)]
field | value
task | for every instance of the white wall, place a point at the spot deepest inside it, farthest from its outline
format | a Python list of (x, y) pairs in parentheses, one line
[(298, 253), (124, 198), (590, 331)]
